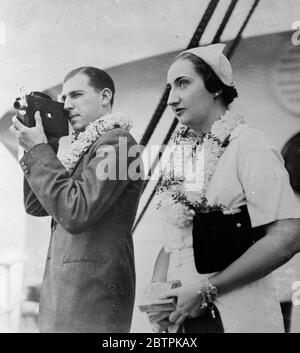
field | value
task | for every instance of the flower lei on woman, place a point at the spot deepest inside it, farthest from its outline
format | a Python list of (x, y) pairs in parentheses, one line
[(180, 204), (83, 140)]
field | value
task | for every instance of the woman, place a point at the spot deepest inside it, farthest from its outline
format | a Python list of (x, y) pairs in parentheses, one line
[(246, 192)]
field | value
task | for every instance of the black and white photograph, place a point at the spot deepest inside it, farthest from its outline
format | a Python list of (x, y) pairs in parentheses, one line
[(150, 168)]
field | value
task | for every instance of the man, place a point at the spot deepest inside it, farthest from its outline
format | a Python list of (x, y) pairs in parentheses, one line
[(89, 279)]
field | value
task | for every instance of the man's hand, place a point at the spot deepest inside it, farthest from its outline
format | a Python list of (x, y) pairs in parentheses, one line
[(28, 137), (189, 303)]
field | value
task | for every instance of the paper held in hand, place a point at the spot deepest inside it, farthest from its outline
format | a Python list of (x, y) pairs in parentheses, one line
[(150, 301)]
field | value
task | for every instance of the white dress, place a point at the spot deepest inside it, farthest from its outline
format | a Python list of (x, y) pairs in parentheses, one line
[(249, 172)]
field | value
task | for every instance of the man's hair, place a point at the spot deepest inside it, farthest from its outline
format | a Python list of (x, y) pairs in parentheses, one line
[(211, 80), (98, 79)]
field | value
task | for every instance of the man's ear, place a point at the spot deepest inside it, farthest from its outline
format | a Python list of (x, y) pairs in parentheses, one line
[(106, 96)]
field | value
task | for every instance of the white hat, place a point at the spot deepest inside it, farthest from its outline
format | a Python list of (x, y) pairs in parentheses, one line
[(214, 57)]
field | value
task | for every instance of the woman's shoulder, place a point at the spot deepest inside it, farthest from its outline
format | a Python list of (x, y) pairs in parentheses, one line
[(254, 144), (249, 137), (245, 133)]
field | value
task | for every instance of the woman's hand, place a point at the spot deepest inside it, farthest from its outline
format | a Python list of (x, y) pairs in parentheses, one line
[(159, 320), (189, 303)]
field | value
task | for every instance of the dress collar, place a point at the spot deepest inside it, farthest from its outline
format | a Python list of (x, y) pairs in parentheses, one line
[(238, 130)]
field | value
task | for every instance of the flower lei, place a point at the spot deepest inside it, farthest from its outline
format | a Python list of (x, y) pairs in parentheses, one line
[(179, 204), (82, 141)]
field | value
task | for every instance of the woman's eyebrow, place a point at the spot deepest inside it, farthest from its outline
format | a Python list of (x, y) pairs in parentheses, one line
[(180, 78), (177, 80)]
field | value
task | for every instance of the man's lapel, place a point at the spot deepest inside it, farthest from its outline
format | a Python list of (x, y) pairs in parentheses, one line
[(80, 158)]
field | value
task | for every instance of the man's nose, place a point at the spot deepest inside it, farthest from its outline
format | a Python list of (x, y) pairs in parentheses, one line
[(68, 104), (173, 99)]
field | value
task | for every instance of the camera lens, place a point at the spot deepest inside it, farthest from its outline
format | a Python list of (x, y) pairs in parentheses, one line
[(17, 104)]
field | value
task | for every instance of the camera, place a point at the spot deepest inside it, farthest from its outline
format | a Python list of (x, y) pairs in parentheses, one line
[(54, 117)]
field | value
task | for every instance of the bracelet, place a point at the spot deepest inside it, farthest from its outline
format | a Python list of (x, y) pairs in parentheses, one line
[(208, 295)]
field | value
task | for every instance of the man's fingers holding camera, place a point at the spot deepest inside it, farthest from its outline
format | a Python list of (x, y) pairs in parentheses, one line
[(13, 131), (17, 124), (38, 119), (28, 137)]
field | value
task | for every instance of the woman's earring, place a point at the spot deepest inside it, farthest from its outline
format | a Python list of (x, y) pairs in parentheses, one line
[(217, 94)]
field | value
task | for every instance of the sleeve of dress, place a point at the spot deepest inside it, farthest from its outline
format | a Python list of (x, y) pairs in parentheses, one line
[(265, 181)]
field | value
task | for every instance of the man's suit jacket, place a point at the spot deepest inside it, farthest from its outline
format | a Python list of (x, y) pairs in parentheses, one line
[(89, 279)]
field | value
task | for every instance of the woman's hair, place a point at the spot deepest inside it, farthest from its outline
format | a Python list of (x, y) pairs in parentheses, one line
[(98, 79), (211, 81)]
